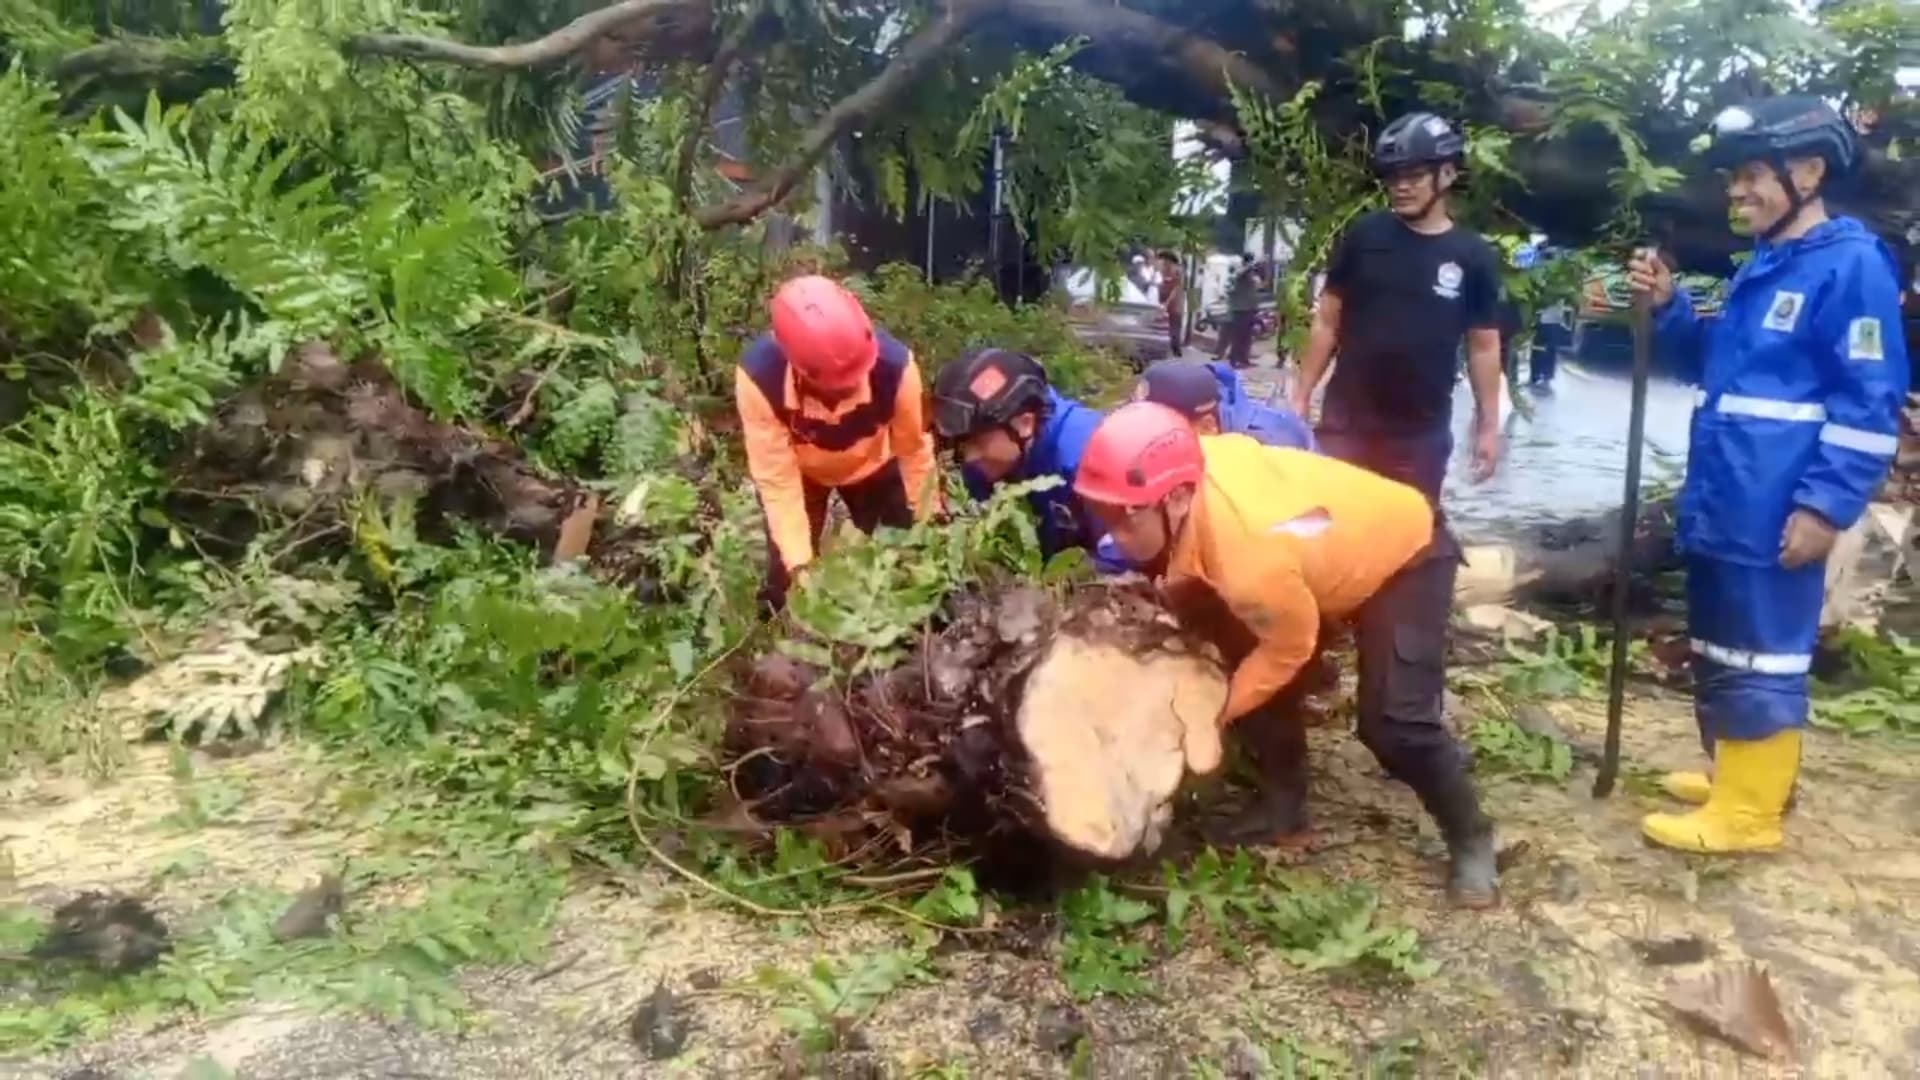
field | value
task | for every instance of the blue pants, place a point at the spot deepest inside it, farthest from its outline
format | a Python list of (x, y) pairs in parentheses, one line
[(1753, 631)]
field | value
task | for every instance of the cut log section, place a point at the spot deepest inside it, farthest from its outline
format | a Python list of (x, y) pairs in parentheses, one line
[(1068, 720)]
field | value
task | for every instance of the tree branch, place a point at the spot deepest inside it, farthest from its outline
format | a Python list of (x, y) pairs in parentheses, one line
[(717, 71), (558, 45), (902, 71), (1134, 37)]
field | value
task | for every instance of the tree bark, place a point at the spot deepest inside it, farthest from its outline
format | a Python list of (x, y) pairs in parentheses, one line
[(1143, 47), (901, 72), (556, 46), (710, 88)]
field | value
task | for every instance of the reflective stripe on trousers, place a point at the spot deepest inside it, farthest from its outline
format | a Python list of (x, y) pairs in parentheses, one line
[(1761, 663)]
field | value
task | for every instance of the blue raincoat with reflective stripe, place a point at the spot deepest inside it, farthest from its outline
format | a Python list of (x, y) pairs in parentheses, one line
[(1801, 379)]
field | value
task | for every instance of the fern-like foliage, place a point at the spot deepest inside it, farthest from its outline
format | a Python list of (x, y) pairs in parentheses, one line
[(583, 416), (224, 210), (55, 259)]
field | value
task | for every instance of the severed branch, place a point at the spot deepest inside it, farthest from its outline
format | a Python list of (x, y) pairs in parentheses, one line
[(902, 71), (716, 80), (558, 45)]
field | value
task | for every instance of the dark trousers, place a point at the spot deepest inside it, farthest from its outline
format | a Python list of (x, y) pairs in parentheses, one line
[(1176, 332), (880, 499), (1540, 364), (1417, 460), (1236, 338), (1401, 634)]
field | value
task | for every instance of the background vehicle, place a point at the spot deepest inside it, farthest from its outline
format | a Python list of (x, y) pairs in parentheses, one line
[(1602, 329), (1135, 330)]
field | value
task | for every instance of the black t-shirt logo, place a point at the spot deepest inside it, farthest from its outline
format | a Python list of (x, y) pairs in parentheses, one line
[(1446, 281)]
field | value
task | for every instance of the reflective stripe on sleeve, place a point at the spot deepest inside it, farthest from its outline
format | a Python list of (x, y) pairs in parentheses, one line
[(1762, 663), (1867, 442)]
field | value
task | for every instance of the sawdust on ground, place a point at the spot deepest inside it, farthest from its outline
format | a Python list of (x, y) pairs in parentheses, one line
[(1549, 984)]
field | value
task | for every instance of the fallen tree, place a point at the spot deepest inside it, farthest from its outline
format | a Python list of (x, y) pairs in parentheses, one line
[(1585, 129), (333, 447)]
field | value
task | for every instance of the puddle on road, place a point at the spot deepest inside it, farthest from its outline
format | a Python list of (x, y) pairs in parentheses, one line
[(1566, 450)]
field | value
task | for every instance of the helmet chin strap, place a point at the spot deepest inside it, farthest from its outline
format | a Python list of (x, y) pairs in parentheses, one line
[(1157, 566), (1433, 170), (1795, 201)]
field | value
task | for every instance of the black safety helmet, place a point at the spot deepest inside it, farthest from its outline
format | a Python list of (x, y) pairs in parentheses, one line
[(985, 389), (1783, 128), (1419, 138), (1776, 130)]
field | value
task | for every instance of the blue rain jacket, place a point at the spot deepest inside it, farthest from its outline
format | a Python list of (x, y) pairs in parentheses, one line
[(1242, 415), (1801, 378), (1054, 451)]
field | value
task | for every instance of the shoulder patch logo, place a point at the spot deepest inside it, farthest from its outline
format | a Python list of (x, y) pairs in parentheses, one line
[(1310, 524), (1784, 313), (1863, 340), (1446, 281)]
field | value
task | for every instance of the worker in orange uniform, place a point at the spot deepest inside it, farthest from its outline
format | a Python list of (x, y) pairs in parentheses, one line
[(1254, 546), (830, 403)]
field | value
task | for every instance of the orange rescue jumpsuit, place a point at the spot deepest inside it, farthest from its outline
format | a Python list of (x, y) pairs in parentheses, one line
[(1284, 538), (873, 447)]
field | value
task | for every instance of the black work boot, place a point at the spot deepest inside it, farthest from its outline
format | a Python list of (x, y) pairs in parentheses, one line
[(1278, 814), (1473, 876)]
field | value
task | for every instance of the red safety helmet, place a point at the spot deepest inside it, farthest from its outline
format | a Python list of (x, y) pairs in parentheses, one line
[(824, 332), (1138, 454)]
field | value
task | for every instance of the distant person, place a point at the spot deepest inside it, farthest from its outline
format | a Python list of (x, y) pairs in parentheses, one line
[(1243, 310), (994, 409), (1212, 396), (1173, 302), (1552, 332), (1405, 287), (829, 403), (1802, 377)]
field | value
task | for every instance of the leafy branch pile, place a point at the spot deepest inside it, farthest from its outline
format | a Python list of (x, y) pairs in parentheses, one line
[(1880, 693), (1314, 924)]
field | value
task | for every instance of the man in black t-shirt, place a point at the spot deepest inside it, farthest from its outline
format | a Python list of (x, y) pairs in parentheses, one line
[(1404, 288)]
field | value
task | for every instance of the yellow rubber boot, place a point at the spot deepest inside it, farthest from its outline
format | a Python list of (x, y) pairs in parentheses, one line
[(1688, 787), (1752, 780)]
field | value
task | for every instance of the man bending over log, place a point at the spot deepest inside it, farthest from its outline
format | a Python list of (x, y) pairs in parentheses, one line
[(829, 403), (1212, 398), (995, 409), (1254, 546)]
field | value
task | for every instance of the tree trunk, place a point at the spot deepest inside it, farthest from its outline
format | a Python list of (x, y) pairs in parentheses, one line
[(1026, 724)]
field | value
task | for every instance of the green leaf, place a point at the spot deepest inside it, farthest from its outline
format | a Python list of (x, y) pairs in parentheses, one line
[(680, 656)]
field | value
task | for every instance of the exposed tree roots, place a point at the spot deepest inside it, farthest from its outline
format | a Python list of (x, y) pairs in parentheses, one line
[(335, 445), (1026, 726)]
